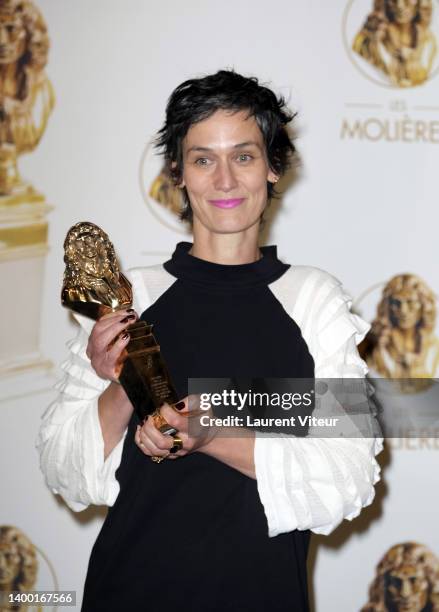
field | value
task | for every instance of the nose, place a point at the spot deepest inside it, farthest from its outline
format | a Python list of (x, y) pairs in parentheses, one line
[(406, 590), (404, 308), (224, 179)]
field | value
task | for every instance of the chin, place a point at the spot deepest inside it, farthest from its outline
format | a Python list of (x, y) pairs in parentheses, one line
[(229, 221), (230, 225)]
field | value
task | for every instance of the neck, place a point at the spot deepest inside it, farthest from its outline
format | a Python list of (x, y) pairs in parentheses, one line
[(405, 28), (229, 249)]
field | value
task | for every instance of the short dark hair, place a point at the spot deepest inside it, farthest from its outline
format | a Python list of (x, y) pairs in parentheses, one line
[(197, 99)]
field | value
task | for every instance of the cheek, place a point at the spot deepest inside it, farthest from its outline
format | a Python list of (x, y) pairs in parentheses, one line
[(255, 183), (195, 182), (261, 192)]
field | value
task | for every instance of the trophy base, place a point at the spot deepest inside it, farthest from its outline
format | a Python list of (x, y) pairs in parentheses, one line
[(22, 193), (144, 376), (23, 250)]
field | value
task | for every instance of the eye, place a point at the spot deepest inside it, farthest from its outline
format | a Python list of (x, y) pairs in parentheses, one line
[(243, 157), (202, 161)]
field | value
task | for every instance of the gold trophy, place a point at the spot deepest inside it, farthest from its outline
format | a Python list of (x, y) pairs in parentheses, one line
[(93, 286), (26, 102)]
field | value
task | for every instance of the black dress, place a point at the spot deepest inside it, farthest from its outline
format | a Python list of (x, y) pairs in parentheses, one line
[(191, 534)]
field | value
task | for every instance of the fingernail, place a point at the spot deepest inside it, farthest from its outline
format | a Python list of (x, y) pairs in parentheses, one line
[(128, 318), (125, 336), (179, 405), (130, 310)]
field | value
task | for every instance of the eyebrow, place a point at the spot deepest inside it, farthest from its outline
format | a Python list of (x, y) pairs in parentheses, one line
[(240, 145)]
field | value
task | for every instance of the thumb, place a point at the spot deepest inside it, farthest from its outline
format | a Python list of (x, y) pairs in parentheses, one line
[(190, 405)]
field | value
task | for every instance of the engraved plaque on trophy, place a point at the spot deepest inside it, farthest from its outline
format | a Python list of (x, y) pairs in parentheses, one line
[(94, 286)]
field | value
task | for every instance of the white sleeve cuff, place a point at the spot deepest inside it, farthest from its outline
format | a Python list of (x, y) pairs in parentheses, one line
[(72, 459), (70, 440), (307, 483)]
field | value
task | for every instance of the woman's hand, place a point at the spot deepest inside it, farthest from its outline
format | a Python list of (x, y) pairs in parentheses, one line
[(107, 343), (185, 417), (235, 450)]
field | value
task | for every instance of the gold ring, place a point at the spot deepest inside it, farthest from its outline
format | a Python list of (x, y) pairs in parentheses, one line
[(178, 445)]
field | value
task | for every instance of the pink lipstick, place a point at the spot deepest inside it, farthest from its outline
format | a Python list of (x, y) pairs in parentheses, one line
[(227, 203)]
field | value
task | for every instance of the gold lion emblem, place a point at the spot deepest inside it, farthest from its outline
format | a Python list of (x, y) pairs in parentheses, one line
[(401, 343), (407, 580), (93, 284), (397, 39), (18, 564), (26, 98)]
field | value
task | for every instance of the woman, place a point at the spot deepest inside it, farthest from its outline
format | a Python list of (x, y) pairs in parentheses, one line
[(224, 523)]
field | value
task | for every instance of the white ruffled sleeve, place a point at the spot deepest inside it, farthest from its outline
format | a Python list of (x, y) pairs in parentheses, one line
[(315, 483), (70, 439)]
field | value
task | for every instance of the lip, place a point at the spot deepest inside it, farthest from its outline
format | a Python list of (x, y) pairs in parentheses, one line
[(231, 203)]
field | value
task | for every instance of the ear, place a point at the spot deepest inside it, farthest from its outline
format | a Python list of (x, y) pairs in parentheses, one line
[(181, 184), (272, 177)]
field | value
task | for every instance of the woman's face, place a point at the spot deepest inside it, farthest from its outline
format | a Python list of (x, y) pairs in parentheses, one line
[(225, 172)]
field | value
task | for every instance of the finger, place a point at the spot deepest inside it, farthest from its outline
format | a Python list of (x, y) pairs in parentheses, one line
[(98, 339), (181, 405), (116, 315), (181, 453), (146, 446), (172, 417), (190, 405), (193, 404), (119, 317), (113, 354), (149, 448), (161, 441), (175, 455), (105, 338)]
